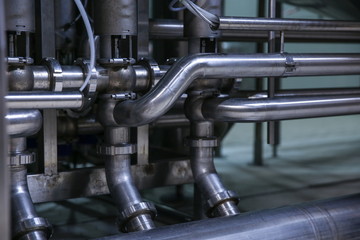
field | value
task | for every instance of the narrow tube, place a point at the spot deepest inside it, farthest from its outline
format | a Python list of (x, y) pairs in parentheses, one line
[(276, 109), (23, 123), (276, 24), (44, 100), (174, 29), (338, 217), (163, 96)]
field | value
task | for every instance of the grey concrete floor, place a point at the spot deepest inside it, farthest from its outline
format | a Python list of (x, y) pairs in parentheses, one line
[(317, 159)]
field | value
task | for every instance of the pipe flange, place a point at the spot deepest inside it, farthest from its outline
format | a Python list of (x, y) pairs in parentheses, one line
[(55, 73), (23, 158), (133, 211), (202, 142), (31, 225), (153, 68), (219, 198), (119, 149)]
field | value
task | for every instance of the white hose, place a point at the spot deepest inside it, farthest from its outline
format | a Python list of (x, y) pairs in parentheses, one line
[(91, 42)]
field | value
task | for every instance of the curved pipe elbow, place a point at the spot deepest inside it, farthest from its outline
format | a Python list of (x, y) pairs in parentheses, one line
[(163, 96), (23, 123)]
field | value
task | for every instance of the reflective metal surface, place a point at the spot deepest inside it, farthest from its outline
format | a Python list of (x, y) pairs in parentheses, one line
[(23, 123), (163, 96), (258, 110), (337, 218), (44, 100), (261, 24)]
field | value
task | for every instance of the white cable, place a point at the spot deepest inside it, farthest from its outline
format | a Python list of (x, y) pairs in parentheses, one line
[(208, 17), (91, 42)]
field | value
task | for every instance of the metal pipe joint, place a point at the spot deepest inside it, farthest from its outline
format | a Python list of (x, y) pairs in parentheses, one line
[(134, 213), (219, 201), (25, 222)]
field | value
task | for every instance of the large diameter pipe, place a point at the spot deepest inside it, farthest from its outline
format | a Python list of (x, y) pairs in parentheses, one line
[(276, 109), (277, 24), (23, 123), (44, 100), (328, 219), (178, 78)]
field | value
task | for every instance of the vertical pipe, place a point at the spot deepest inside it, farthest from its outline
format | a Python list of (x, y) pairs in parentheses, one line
[(4, 172), (271, 80), (134, 214), (220, 202)]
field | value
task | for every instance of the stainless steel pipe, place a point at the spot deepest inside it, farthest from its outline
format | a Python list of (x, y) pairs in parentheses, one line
[(277, 24), (174, 29), (282, 108), (134, 214), (25, 222), (23, 123), (175, 82), (329, 219), (220, 202), (44, 100)]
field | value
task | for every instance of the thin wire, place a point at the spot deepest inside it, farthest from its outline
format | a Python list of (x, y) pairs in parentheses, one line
[(91, 42)]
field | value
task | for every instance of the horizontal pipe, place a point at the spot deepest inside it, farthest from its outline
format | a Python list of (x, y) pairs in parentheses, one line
[(44, 100), (179, 77), (275, 109), (328, 219), (23, 123), (174, 29), (302, 92), (277, 24)]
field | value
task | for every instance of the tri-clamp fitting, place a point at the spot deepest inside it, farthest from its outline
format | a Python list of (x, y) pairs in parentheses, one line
[(218, 200)]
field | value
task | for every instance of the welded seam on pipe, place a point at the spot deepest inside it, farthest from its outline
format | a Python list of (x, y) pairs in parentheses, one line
[(163, 96)]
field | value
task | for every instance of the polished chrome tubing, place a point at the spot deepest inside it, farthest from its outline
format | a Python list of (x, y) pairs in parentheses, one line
[(23, 123), (178, 78), (25, 222), (219, 202), (135, 214), (44, 100), (277, 24), (279, 108), (174, 29), (328, 219)]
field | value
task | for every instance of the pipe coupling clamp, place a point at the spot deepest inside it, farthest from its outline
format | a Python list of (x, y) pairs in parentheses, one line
[(219, 198), (23, 158), (55, 72), (202, 142), (133, 211), (119, 149), (32, 224)]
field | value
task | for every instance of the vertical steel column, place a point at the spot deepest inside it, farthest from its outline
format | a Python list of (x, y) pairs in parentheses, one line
[(4, 172), (142, 132), (258, 138), (46, 23), (271, 80)]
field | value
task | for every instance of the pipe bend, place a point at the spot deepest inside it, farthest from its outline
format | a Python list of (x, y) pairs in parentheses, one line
[(23, 123), (163, 96)]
